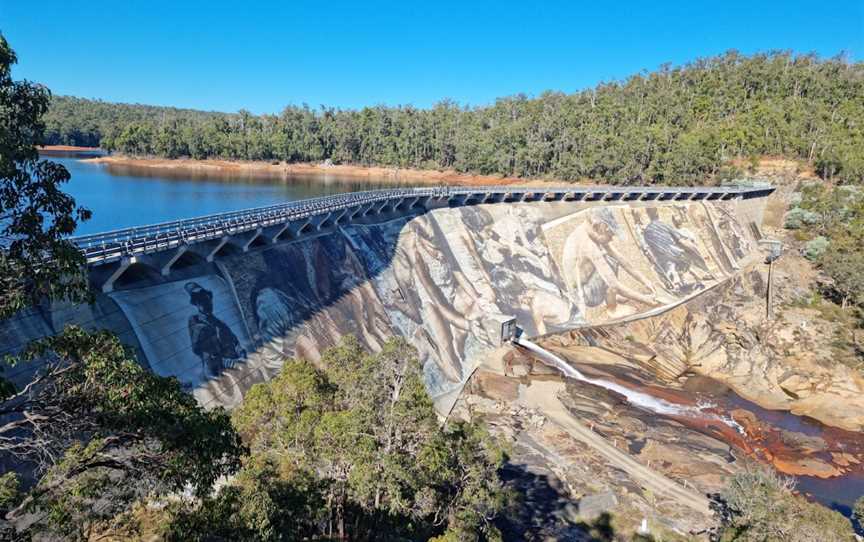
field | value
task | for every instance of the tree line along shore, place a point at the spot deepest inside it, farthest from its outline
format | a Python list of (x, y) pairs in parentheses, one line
[(681, 125)]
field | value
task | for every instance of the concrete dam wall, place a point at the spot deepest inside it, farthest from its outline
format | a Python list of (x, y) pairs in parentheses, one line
[(441, 278)]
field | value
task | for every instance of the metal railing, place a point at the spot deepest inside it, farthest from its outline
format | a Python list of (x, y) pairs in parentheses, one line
[(111, 245)]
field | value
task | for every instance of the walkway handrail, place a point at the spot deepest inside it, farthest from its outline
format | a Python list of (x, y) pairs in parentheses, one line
[(165, 235)]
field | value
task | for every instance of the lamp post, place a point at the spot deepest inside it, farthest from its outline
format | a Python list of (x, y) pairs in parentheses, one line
[(774, 251)]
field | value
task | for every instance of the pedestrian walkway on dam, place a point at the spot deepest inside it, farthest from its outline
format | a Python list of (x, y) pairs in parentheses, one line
[(161, 245)]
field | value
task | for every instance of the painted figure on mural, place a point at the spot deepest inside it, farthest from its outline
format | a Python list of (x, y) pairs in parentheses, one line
[(275, 319), (276, 312), (445, 294), (733, 235), (674, 252), (508, 257), (591, 267), (212, 340)]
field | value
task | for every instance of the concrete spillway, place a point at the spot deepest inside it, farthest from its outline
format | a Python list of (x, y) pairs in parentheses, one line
[(440, 276)]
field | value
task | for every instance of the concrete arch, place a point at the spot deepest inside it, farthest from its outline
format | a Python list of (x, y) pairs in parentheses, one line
[(128, 273), (189, 258)]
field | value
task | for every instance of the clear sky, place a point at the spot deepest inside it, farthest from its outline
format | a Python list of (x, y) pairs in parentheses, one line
[(263, 55)]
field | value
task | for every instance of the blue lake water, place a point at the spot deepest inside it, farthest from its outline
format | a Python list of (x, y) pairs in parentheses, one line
[(123, 196)]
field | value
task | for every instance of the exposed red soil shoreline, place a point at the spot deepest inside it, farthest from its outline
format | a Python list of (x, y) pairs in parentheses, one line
[(351, 171)]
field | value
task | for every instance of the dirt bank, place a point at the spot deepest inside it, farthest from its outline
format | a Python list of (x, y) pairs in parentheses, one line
[(395, 174), (67, 148)]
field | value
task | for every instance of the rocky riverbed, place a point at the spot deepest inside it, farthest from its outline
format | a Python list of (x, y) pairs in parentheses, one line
[(765, 399)]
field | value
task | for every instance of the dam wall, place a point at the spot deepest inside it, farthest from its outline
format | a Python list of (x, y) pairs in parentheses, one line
[(443, 278)]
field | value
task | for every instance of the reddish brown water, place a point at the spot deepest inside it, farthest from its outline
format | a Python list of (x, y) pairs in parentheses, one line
[(826, 462)]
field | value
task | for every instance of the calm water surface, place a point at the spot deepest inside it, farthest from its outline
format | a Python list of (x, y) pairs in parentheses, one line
[(133, 196), (836, 493)]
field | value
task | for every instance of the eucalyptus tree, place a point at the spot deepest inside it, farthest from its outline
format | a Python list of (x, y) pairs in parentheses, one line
[(361, 436), (36, 216), (90, 429)]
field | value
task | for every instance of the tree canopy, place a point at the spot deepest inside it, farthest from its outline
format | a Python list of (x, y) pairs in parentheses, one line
[(101, 433), (673, 126), (353, 451), (36, 216), (759, 505), (832, 219)]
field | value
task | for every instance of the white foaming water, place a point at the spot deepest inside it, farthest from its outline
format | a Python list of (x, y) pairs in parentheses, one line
[(635, 398)]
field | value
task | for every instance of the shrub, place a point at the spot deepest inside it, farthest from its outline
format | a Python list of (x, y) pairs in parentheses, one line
[(759, 505), (797, 218), (815, 248)]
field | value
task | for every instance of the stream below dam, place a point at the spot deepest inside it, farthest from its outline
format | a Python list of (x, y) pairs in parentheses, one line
[(827, 463)]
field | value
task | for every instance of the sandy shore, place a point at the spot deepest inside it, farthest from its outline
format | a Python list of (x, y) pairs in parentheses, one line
[(358, 172)]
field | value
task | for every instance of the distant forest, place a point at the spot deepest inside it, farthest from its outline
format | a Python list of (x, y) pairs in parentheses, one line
[(675, 125)]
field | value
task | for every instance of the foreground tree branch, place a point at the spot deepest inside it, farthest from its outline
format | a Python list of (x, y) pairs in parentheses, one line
[(92, 422)]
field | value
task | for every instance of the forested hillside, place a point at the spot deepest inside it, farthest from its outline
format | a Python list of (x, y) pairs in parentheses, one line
[(78, 121), (674, 125)]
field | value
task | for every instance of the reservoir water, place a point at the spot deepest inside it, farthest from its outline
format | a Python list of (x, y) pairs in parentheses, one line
[(123, 196)]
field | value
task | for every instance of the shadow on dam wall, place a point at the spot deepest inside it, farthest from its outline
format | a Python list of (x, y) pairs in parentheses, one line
[(440, 279)]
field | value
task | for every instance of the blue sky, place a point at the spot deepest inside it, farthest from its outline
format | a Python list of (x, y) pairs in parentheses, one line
[(264, 55)]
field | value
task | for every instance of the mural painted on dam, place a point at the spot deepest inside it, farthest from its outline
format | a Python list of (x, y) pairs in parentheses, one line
[(300, 298), (441, 279), (193, 330), (620, 261)]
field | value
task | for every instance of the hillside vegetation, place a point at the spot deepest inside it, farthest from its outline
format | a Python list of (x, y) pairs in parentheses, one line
[(673, 126), (82, 122)]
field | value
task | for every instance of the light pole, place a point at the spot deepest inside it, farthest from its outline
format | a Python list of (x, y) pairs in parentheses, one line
[(774, 250)]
